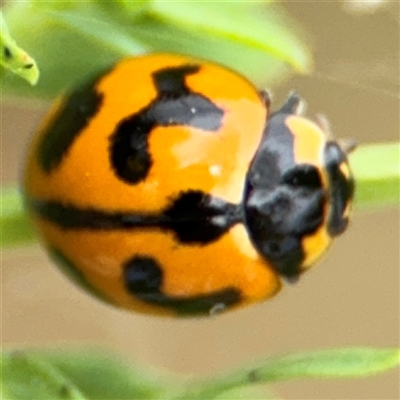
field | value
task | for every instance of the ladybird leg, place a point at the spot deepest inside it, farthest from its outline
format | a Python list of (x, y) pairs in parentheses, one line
[(347, 145), (292, 279), (265, 97), (294, 104)]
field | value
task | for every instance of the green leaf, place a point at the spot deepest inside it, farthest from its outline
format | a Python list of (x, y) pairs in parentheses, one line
[(32, 377), (376, 168), (74, 375), (90, 375), (15, 228), (255, 392), (13, 58), (162, 35), (72, 40), (257, 26), (69, 44), (334, 363)]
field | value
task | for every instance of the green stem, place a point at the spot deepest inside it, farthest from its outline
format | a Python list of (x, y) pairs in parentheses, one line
[(332, 363), (376, 168), (15, 229)]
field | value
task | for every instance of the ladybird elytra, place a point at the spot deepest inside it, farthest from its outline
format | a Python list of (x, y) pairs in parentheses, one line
[(231, 148), (166, 186)]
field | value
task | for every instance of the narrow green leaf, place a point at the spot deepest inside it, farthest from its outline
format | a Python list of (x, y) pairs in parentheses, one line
[(255, 25), (32, 377), (376, 168), (13, 58), (163, 36), (98, 31), (75, 375), (70, 44), (72, 40), (125, 6), (15, 228), (256, 392), (90, 375), (334, 363), (104, 376)]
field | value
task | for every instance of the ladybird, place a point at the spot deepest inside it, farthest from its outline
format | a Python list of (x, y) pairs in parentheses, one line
[(165, 185)]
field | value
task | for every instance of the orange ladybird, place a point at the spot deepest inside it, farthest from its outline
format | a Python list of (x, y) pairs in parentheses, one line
[(166, 186)]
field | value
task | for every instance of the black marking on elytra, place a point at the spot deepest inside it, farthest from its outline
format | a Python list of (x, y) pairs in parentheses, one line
[(283, 201), (341, 188), (143, 277), (194, 217), (74, 114), (175, 104), (28, 66), (71, 217)]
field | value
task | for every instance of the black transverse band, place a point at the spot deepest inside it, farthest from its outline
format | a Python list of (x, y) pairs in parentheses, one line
[(194, 217), (74, 114), (143, 277)]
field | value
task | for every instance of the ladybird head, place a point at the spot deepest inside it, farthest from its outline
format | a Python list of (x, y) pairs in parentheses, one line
[(299, 190)]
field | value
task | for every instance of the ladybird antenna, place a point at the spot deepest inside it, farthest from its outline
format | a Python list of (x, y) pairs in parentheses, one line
[(356, 84), (347, 145), (294, 104)]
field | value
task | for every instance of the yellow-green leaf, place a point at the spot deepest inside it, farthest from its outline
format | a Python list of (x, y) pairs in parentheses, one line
[(15, 59), (72, 40), (376, 167)]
